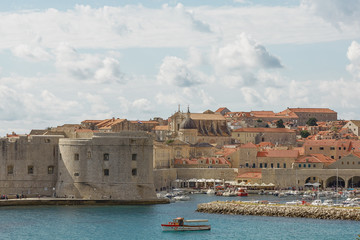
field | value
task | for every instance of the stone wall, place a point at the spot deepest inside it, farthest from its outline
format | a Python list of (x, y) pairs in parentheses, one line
[(29, 165), (109, 165)]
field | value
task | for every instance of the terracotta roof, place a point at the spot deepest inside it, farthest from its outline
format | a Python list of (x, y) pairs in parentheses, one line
[(248, 145), (107, 123), (203, 116), (226, 151), (266, 144), (162, 128), (257, 175), (328, 142), (220, 109), (315, 158), (268, 130), (91, 121), (144, 122), (279, 153), (312, 110)]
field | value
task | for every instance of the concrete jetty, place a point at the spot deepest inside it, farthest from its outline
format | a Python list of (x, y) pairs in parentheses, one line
[(280, 210), (74, 201)]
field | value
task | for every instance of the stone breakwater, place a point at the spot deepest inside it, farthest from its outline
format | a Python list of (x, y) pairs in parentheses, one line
[(300, 211)]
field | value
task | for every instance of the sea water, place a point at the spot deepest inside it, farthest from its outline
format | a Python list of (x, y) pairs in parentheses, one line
[(143, 222)]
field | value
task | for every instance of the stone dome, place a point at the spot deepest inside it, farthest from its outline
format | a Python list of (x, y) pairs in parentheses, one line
[(188, 123)]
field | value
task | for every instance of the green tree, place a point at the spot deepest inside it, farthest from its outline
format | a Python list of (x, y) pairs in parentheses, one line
[(280, 124), (311, 122), (304, 133)]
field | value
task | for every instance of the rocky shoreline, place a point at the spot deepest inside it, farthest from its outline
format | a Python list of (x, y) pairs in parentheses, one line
[(279, 210)]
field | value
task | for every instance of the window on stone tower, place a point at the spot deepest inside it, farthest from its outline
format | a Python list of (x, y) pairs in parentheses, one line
[(134, 172), (10, 169), (30, 169), (134, 156), (76, 156), (106, 172), (106, 157), (50, 169)]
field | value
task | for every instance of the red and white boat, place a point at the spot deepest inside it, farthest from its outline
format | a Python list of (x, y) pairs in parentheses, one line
[(179, 224)]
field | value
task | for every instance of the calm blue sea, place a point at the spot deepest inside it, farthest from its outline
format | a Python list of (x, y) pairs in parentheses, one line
[(143, 222)]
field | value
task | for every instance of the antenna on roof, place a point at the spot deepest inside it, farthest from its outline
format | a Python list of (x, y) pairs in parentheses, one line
[(188, 109), (179, 108)]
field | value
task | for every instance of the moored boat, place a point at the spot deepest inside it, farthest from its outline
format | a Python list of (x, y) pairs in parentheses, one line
[(180, 224)]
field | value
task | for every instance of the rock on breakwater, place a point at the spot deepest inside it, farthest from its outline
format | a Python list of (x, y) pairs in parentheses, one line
[(245, 208)]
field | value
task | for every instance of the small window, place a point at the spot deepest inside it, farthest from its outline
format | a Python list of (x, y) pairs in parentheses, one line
[(30, 169), (310, 148), (272, 165), (332, 157), (339, 148), (339, 157), (260, 165), (299, 165), (76, 174), (50, 169), (76, 157), (106, 172), (10, 169), (106, 157), (344, 148), (304, 165), (332, 148), (265, 165), (278, 165), (134, 156), (342, 163), (247, 165), (284, 165), (47, 140), (314, 178), (88, 154), (314, 165), (253, 165), (309, 165), (347, 163), (321, 148), (134, 172)]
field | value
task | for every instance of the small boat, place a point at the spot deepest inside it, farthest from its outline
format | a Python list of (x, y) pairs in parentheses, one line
[(182, 198), (179, 224)]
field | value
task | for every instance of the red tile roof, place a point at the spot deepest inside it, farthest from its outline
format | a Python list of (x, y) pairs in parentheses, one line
[(315, 158), (268, 130), (220, 109), (248, 145), (279, 153), (312, 110)]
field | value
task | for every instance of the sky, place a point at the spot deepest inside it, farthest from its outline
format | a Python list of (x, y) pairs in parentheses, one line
[(68, 61)]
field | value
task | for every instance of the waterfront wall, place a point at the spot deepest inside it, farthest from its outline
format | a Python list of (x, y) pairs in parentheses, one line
[(29, 164), (242, 208), (107, 166), (164, 178)]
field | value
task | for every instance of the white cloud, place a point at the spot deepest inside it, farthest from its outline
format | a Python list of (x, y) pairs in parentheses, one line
[(88, 67), (138, 26), (353, 55), (337, 12), (143, 104), (31, 53), (11, 104), (237, 63), (175, 71)]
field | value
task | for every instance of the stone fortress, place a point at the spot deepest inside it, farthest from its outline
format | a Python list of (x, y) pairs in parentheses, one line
[(104, 166)]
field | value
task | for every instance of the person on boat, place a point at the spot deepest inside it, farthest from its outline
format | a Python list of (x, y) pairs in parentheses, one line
[(181, 222)]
